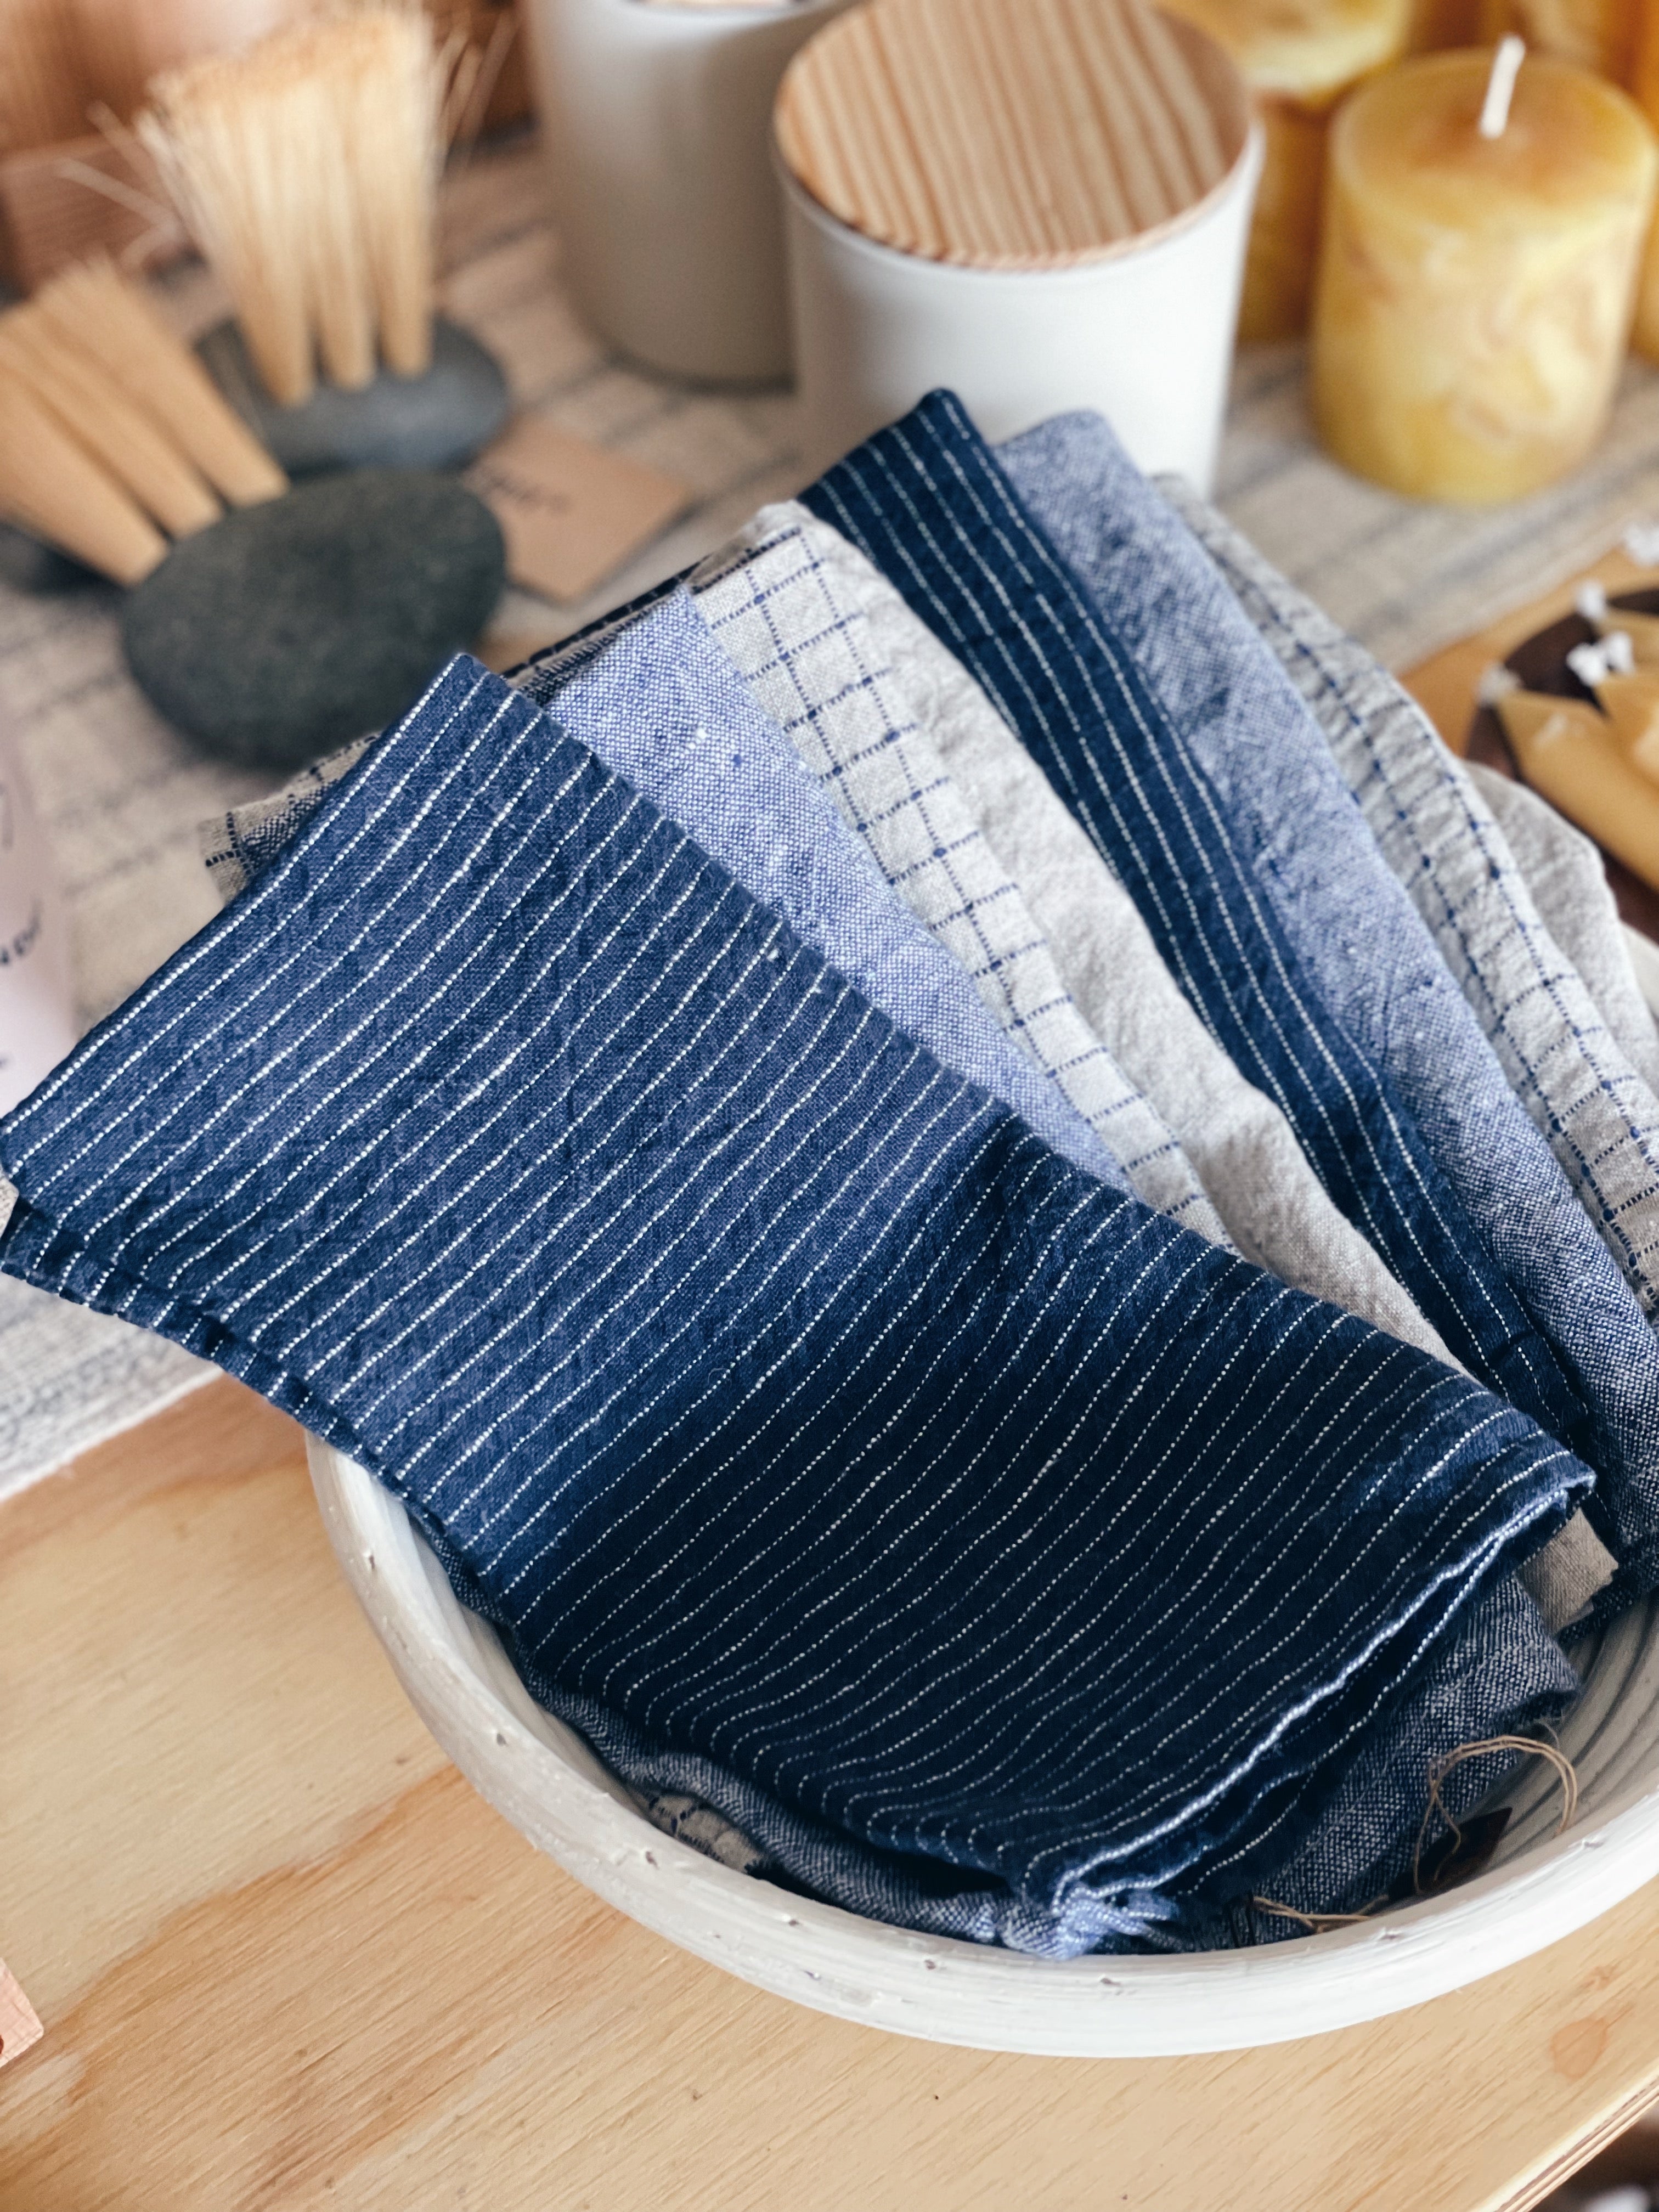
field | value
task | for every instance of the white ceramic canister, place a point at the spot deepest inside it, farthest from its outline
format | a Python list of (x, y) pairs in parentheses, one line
[(1140, 327), (37, 1013), (655, 121)]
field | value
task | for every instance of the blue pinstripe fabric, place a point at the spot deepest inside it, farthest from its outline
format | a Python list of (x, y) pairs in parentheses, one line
[(724, 772), (927, 503), (1361, 943), (769, 1387)]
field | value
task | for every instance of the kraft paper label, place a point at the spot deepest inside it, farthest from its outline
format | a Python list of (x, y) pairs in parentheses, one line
[(571, 513)]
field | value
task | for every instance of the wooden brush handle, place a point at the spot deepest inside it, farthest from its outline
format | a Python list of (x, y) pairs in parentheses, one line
[(94, 308), (54, 487)]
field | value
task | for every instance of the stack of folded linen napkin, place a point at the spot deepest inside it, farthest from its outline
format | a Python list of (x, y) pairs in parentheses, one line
[(955, 1173)]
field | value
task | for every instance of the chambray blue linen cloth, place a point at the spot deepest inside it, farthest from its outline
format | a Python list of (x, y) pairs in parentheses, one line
[(1224, 849), (766, 1384)]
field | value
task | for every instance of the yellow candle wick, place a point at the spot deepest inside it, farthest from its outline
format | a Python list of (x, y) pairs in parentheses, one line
[(1500, 86)]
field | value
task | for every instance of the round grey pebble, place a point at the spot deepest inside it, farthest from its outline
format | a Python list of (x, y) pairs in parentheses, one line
[(437, 420), (288, 630)]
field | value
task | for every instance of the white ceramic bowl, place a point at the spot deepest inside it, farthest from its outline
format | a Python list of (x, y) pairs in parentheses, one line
[(548, 1784)]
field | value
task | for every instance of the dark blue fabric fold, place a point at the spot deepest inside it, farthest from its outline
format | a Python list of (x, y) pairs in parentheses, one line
[(768, 1385), (927, 503)]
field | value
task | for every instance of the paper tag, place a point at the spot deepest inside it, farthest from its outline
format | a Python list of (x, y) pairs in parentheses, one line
[(570, 512), (19, 2027)]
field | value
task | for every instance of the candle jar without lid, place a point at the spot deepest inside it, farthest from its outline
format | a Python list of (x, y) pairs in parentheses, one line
[(1474, 294)]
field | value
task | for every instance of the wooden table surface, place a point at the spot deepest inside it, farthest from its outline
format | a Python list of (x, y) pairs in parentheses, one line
[(285, 1957)]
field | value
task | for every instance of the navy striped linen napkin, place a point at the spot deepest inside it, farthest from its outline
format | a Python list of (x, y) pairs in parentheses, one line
[(927, 503), (731, 780), (1321, 855), (767, 1385)]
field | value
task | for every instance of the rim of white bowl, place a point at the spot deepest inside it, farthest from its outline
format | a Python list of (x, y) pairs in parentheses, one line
[(548, 1784)]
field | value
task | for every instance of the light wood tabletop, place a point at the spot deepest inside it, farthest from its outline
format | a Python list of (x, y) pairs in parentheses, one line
[(285, 1957)]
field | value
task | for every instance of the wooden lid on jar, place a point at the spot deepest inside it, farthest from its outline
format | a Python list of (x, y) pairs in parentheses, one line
[(1011, 134)]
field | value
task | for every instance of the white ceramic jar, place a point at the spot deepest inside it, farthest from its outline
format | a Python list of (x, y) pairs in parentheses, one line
[(1141, 330), (655, 123)]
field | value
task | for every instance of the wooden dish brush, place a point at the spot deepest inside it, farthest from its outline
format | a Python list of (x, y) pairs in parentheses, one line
[(307, 170), (114, 439), (268, 623)]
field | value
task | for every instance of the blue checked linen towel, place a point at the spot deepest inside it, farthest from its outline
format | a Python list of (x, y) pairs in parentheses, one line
[(1205, 840), (814, 663), (767, 1384)]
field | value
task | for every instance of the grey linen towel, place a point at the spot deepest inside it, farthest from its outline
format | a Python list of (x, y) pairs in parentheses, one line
[(1562, 870), (1437, 834)]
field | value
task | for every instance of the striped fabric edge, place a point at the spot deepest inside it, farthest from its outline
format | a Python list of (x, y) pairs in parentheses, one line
[(1444, 847)]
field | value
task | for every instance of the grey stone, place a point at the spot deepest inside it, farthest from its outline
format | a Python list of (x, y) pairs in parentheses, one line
[(286, 629), (437, 420)]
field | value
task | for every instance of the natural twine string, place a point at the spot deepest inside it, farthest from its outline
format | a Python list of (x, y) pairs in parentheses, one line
[(1440, 1771)]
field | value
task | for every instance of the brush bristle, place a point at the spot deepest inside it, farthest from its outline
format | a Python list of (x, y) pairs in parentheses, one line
[(109, 427), (306, 172)]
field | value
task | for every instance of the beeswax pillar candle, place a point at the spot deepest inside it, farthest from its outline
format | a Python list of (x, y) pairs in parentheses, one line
[(1474, 291), (1644, 83), (1300, 57)]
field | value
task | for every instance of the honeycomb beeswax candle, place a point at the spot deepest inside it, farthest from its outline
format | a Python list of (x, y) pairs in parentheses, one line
[(1300, 58), (1475, 284)]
